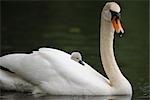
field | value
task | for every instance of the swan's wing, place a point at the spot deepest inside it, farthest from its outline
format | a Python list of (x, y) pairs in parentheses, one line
[(54, 52), (10, 81), (53, 71), (46, 52), (73, 71), (12, 61), (31, 67), (28, 66)]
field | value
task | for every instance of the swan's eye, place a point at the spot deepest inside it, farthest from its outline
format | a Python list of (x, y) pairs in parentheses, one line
[(115, 14)]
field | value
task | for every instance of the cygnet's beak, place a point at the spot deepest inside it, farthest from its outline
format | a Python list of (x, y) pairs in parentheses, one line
[(81, 62), (116, 23)]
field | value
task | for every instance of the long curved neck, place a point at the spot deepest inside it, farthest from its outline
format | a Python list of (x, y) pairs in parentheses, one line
[(107, 54)]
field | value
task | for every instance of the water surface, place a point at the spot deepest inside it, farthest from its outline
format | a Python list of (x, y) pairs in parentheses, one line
[(22, 96)]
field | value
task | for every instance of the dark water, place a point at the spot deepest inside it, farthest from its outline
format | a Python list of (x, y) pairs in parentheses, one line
[(74, 26)]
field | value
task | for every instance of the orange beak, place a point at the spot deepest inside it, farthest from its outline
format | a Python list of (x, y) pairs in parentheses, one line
[(117, 25)]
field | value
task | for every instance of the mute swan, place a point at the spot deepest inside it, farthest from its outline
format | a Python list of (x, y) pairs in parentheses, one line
[(76, 56), (53, 72)]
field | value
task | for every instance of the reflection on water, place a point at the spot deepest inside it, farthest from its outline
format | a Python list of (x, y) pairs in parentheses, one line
[(21, 96)]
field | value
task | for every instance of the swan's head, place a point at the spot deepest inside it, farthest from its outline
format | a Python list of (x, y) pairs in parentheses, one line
[(76, 56), (111, 13)]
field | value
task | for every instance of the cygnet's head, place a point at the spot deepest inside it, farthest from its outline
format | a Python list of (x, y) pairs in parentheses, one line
[(111, 13), (76, 56)]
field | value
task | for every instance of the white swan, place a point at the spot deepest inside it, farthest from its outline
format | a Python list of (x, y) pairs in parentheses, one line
[(53, 72)]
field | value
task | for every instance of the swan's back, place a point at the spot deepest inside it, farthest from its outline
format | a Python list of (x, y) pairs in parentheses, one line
[(55, 72), (11, 60)]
